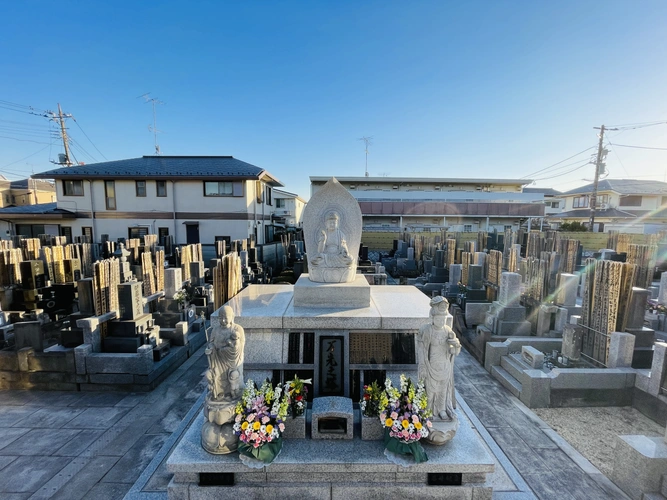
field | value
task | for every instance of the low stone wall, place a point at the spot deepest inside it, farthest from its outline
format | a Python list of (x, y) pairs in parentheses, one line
[(561, 387), (28, 369)]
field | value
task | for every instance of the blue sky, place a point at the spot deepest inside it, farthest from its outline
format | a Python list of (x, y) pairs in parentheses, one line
[(446, 89)]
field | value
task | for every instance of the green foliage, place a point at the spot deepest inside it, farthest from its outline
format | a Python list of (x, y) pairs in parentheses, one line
[(574, 226)]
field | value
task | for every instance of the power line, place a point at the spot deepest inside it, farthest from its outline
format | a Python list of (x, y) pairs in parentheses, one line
[(558, 163), (637, 147), (564, 173), (630, 126), (100, 152), (22, 140), (25, 158), (618, 157)]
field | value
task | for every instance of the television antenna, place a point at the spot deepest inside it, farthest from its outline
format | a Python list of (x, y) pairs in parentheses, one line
[(154, 128), (368, 141)]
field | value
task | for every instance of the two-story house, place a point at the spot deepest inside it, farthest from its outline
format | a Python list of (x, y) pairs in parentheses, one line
[(197, 199), (626, 205), (423, 204), (25, 192), (288, 208)]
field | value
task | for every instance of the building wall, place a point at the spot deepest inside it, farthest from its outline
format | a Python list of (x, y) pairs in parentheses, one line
[(233, 216)]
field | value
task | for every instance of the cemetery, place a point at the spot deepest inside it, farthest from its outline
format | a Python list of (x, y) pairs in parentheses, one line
[(113, 316), (336, 385)]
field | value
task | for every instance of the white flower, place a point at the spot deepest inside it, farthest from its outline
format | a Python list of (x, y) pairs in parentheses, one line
[(263, 429)]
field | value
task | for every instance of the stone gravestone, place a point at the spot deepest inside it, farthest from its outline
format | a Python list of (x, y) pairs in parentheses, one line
[(662, 292), (173, 281), (130, 300)]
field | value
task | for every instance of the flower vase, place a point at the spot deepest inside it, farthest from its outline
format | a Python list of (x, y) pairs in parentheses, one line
[(263, 454), (371, 428), (413, 450), (295, 428)]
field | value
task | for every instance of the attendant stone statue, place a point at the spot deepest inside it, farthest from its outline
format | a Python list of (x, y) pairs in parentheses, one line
[(438, 346), (224, 351)]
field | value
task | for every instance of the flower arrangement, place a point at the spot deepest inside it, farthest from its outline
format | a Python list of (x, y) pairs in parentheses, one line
[(260, 419), (373, 399), (180, 297), (406, 418), (297, 392)]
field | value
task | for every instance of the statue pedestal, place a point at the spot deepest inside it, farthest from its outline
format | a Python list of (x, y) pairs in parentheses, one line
[(355, 294)]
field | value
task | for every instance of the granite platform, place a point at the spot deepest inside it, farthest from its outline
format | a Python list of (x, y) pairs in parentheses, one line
[(308, 468)]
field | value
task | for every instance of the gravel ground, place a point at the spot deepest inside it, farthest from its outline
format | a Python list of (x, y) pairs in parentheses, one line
[(592, 431)]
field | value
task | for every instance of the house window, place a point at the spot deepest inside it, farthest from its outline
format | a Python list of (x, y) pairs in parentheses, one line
[(162, 233), (110, 194), (507, 228), (269, 192), (223, 188), (631, 201), (580, 201), (73, 188), (161, 188), (137, 232), (87, 233), (141, 189), (555, 204), (467, 228), (67, 233), (603, 198), (280, 203)]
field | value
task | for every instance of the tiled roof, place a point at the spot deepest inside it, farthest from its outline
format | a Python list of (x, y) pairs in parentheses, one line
[(623, 186), (586, 213), (164, 167), (544, 191), (41, 208), (32, 184)]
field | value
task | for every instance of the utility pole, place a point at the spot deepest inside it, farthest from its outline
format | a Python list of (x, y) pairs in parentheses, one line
[(599, 165), (63, 134)]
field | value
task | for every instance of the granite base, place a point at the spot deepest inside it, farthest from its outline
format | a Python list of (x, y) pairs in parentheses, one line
[(308, 468)]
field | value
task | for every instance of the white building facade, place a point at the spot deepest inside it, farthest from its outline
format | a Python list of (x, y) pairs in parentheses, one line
[(422, 204), (195, 199)]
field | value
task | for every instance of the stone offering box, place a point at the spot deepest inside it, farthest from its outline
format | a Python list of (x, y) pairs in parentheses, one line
[(333, 469)]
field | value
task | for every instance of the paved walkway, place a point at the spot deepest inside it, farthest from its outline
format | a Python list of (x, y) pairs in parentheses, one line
[(77, 445)]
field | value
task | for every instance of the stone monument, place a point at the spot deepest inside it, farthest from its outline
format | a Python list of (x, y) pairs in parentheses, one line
[(224, 351), (332, 226), (438, 346)]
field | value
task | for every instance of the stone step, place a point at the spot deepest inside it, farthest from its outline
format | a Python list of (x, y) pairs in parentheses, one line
[(663, 489), (513, 366), (507, 380)]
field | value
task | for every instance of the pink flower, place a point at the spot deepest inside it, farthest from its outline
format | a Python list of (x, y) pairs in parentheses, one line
[(281, 426), (238, 418), (394, 415), (265, 420), (250, 417), (256, 444), (405, 433), (415, 419), (254, 436), (428, 424)]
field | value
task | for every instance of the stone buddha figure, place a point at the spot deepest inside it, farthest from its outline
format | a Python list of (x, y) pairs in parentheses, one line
[(332, 224), (224, 351), (333, 262)]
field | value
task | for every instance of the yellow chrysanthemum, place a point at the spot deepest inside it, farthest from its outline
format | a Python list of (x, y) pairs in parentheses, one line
[(389, 422), (405, 424), (256, 425), (244, 425), (269, 429), (418, 426)]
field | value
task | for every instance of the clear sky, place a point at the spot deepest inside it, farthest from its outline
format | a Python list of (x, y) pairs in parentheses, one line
[(446, 89)]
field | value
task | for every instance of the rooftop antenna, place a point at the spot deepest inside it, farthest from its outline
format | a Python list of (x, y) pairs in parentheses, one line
[(154, 129), (368, 141)]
